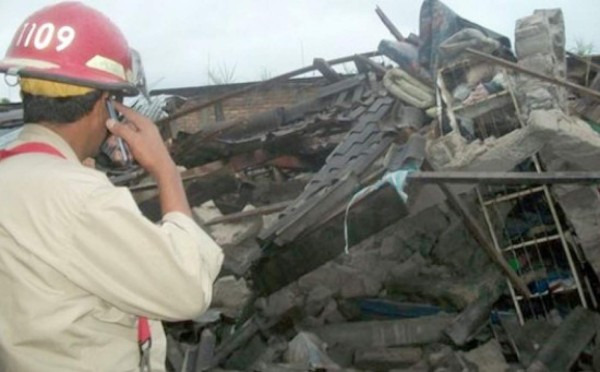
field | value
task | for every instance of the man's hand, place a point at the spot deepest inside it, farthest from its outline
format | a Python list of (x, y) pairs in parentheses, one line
[(143, 138), (147, 147)]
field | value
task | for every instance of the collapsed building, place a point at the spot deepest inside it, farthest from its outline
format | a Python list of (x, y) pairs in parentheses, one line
[(438, 210)]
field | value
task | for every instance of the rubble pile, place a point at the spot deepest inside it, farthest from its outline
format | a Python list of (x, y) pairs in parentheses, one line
[(337, 258), (413, 216)]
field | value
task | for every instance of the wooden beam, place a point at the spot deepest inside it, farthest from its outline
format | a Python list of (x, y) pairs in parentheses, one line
[(326, 70), (234, 217), (506, 178), (513, 66), (187, 175), (390, 26), (379, 69)]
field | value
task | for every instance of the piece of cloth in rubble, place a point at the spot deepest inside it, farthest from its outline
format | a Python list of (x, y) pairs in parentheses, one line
[(79, 263), (456, 44), (437, 22), (397, 179)]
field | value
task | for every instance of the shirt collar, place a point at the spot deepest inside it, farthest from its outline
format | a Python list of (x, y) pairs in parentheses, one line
[(39, 133)]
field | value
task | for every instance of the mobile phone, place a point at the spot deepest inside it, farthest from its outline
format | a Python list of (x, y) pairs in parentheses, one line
[(114, 147)]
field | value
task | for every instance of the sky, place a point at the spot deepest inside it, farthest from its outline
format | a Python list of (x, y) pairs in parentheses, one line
[(182, 42)]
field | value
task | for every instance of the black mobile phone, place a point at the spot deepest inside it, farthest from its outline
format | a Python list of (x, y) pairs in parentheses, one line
[(114, 147)]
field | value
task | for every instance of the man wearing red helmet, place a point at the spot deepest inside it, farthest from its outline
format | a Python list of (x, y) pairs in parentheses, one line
[(80, 267)]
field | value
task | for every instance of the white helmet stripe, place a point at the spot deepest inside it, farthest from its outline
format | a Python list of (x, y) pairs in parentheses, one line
[(107, 65), (28, 62)]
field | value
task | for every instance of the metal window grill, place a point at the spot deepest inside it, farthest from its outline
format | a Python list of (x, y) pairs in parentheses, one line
[(525, 223)]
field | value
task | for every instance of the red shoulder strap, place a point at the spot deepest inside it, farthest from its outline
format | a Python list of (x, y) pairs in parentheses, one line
[(31, 147)]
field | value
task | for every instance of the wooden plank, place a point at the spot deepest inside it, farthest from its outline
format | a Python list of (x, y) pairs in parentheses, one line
[(198, 190), (481, 107), (506, 178), (234, 217), (565, 345)]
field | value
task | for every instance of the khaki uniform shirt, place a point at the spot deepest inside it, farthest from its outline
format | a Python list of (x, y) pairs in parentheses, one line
[(79, 263)]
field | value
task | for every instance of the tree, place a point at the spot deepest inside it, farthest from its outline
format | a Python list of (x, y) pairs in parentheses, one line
[(224, 74), (265, 74), (582, 48)]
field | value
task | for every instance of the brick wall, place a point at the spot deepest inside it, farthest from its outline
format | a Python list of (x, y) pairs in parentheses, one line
[(252, 102)]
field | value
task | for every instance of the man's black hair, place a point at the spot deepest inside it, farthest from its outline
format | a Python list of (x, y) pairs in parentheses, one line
[(60, 110)]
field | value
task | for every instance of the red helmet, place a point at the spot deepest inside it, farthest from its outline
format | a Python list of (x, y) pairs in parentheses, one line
[(72, 43)]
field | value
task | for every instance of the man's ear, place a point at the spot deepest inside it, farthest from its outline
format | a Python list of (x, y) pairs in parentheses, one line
[(102, 99)]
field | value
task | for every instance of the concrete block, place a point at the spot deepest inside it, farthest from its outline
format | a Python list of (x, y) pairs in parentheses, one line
[(307, 350), (388, 333)]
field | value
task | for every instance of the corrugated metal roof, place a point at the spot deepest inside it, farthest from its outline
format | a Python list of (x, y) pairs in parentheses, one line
[(8, 135), (11, 117), (11, 123), (155, 109), (11, 120)]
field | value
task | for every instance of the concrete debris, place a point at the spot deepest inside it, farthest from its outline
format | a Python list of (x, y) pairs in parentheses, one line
[(307, 351), (236, 239), (230, 295), (526, 339), (565, 345), (335, 260), (488, 357), (476, 314), (540, 46)]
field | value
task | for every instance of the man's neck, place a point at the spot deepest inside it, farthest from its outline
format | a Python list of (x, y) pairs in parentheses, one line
[(74, 135)]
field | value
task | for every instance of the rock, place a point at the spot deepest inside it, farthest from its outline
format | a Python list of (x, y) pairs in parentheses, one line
[(230, 295), (317, 299), (280, 302), (488, 357), (307, 350)]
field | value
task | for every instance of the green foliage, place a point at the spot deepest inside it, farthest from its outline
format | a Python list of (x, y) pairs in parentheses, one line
[(582, 48)]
